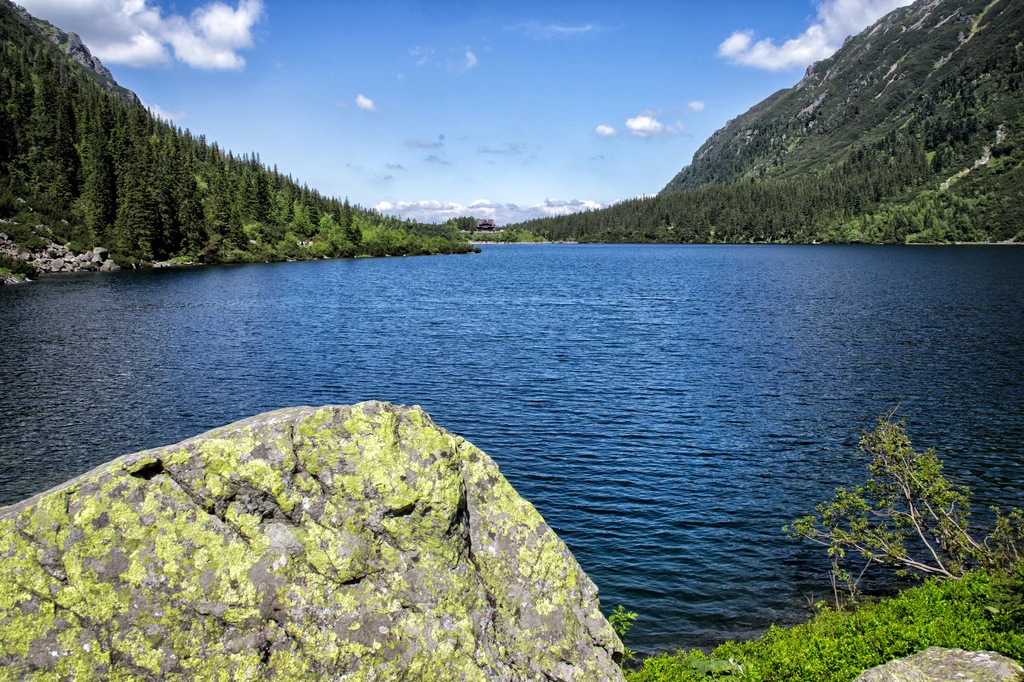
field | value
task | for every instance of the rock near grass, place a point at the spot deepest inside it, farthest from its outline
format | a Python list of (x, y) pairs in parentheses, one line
[(947, 665), (341, 543)]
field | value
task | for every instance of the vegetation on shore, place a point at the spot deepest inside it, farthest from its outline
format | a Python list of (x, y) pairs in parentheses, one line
[(12, 268), (908, 518), (508, 237), (837, 646), (88, 167)]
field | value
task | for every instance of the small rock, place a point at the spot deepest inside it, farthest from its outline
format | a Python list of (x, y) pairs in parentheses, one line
[(946, 665), (109, 266), (99, 254), (25, 255)]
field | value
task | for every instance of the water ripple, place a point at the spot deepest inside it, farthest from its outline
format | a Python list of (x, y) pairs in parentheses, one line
[(667, 409)]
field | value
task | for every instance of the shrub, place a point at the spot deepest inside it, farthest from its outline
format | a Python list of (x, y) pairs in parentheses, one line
[(16, 267), (836, 646), (907, 517)]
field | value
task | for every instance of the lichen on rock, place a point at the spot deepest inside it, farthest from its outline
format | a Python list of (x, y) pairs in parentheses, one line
[(356, 543), (937, 664)]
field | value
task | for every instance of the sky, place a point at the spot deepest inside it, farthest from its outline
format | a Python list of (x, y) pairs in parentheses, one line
[(431, 110)]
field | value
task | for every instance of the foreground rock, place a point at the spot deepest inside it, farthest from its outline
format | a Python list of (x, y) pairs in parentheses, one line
[(947, 665), (356, 543)]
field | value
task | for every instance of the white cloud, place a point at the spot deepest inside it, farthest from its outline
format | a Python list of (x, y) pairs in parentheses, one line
[(437, 160), (646, 125), (605, 131), (136, 33), (424, 144), (166, 115), (365, 103), (836, 20), (508, 149), (454, 59), (695, 107), (435, 211), (539, 31)]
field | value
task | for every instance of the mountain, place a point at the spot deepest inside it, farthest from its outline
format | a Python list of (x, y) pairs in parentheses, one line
[(934, 66), (83, 164), (911, 132), (71, 45)]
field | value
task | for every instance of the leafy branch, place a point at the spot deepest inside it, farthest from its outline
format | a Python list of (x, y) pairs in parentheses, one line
[(907, 516)]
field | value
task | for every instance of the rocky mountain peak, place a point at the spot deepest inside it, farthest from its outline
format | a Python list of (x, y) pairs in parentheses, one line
[(72, 45)]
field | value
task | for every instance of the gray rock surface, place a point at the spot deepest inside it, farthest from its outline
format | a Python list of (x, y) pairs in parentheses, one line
[(947, 665), (357, 543), (58, 257)]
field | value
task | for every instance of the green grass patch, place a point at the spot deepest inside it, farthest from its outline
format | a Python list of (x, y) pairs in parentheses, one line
[(837, 646)]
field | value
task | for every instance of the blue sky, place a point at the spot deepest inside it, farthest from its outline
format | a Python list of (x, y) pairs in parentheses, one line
[(434, 109)]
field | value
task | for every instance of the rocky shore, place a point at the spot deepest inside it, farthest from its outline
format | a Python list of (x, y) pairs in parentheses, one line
[(59, 257)]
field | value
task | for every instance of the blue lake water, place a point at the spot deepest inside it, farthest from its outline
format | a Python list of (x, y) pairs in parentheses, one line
[(666, 408)]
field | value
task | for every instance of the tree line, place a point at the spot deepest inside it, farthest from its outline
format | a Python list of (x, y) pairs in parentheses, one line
[(92, 169)]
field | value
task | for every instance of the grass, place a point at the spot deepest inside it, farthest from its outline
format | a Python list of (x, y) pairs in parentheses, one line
[(837, 646)]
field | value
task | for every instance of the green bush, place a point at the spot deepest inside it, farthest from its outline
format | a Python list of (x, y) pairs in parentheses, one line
[(16, 267), (836, 646)]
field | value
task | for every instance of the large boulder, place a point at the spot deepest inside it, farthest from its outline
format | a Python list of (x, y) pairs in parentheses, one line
[(356, 543), (946, 665)]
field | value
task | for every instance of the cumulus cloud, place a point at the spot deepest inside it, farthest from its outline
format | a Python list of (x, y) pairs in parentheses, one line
[(471, 60), (836, 19), (539, 31), (137, 33), (365, 103), (694, 107), (433, 211), (395, 166), (437, 160), (605, 131), (646, 125)]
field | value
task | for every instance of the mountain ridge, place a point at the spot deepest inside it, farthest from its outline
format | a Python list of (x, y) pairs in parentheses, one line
[(71, 44), (905, 51), (912, 132)]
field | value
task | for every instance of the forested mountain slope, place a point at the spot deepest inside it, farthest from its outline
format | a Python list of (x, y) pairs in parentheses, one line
[(83, 162), (930, 69), (912, 131)]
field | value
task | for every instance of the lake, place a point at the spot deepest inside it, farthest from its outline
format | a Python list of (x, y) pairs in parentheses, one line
[(666, 408)]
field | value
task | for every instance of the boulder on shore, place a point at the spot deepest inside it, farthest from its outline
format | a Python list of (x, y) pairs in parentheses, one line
[(356, 543), (947, 665)]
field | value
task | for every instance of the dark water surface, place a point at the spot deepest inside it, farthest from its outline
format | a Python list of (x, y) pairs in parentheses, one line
[(667, 409)]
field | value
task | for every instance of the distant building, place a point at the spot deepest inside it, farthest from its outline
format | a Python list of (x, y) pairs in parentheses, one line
[(485, 226)]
